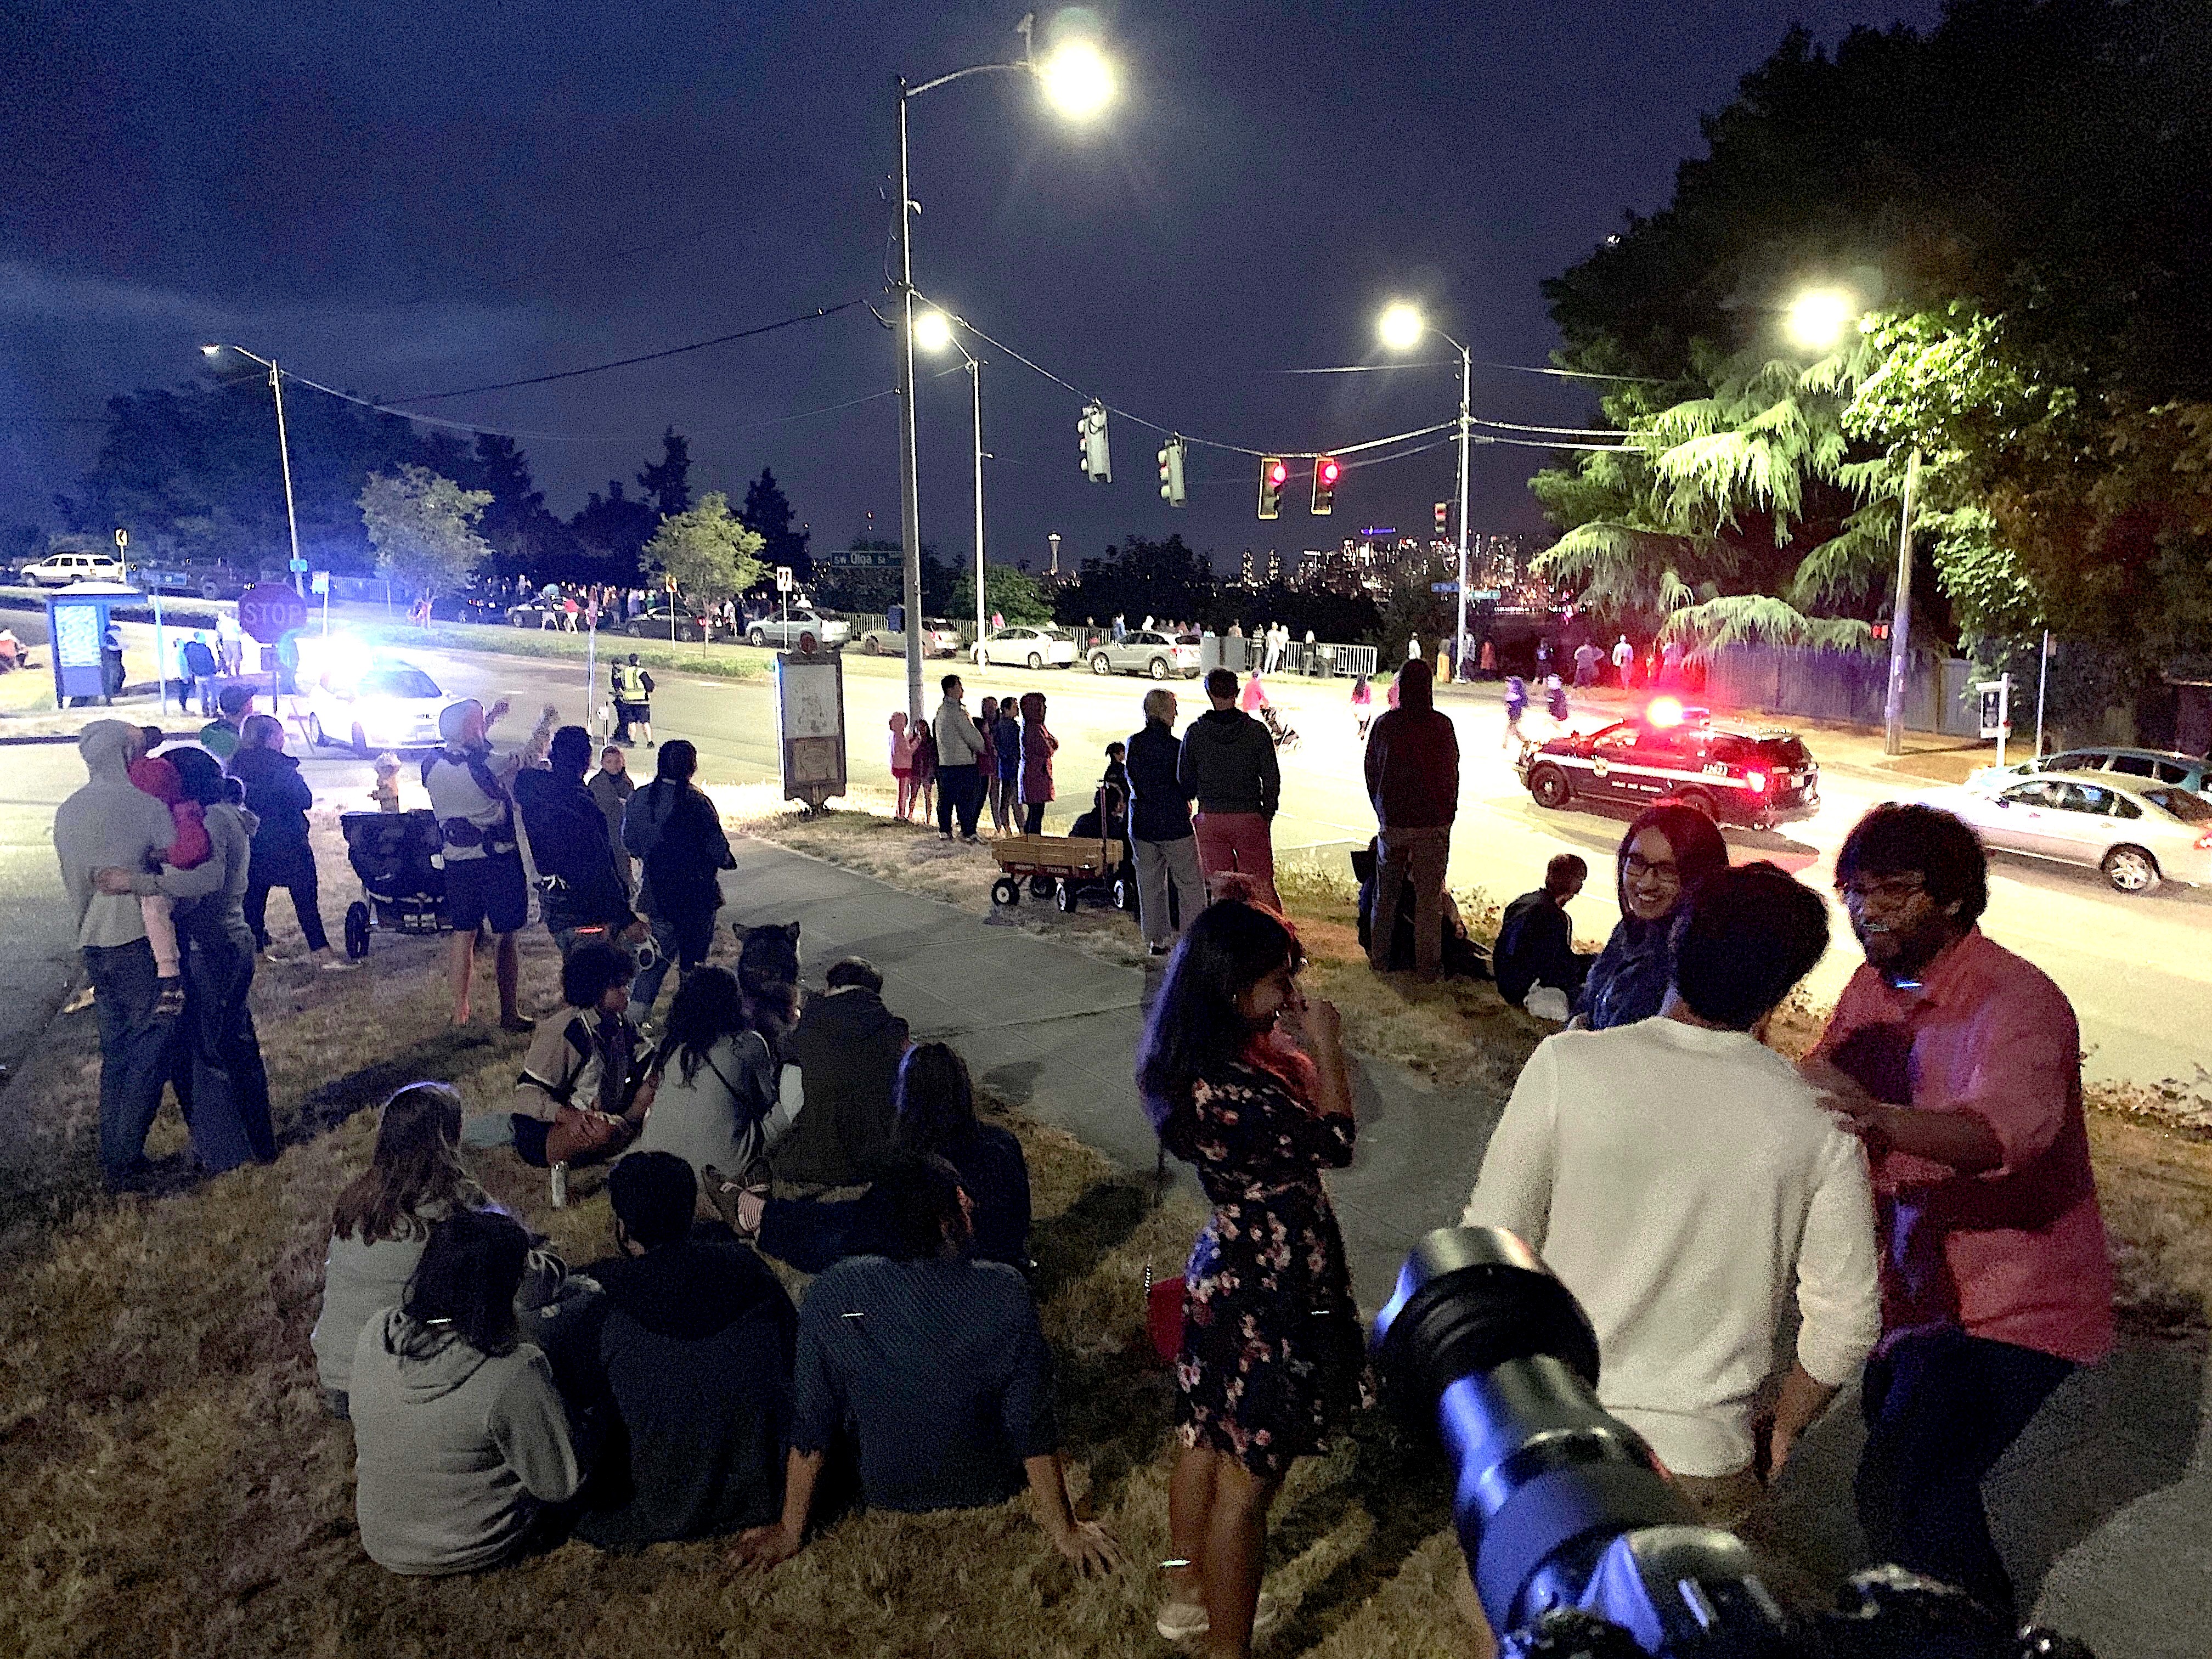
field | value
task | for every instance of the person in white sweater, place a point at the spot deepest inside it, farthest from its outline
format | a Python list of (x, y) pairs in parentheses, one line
[(460, 1438), (1679, 1178)]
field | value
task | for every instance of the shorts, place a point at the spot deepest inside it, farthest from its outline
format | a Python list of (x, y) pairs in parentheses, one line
[(487, 890)]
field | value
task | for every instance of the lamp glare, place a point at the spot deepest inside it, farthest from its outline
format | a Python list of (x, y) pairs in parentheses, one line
[(1401, 327), (1077, 79)]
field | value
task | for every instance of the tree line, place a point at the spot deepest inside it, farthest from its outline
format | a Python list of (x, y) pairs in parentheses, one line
[(2018, 204)]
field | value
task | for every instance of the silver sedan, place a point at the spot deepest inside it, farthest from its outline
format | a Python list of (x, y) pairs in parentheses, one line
[(2138, 833)]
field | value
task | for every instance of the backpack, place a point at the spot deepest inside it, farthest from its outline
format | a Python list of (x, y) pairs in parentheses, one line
[(199, 660)]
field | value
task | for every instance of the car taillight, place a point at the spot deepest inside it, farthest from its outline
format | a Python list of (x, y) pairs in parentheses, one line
[(1757, 780)]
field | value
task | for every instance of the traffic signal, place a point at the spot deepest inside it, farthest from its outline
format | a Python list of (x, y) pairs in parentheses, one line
[(1171, 472), (1090, 435), (1273, 475), (1327, 470), (1443, 518)]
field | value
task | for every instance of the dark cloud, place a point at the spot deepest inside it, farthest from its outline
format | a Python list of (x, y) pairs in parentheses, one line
[(402, 198)]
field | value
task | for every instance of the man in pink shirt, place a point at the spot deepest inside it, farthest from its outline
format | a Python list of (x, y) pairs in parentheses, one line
[(1959, 1063)]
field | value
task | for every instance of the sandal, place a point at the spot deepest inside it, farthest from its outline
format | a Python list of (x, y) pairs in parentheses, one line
[(1185, 1621)]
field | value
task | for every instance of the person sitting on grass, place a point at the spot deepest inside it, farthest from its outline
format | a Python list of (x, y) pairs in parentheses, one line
[(935, 1363), (683, 1363), (585, 1087), (847, 1048), (1535, 943), (383, 1219), (460, 1439), (936, 1105), (715, 1075)]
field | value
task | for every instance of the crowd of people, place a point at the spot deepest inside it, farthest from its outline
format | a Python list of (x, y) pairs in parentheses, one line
[(1920, 1185)]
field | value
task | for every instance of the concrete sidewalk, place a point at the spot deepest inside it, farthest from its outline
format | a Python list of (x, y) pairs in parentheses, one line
[(2105, 1503)]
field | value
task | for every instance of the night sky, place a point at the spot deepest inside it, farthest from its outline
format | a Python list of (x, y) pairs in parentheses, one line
[(404, 198)]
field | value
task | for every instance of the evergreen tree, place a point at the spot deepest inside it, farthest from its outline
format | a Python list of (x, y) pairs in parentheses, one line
[(667, 482), (767, 511)]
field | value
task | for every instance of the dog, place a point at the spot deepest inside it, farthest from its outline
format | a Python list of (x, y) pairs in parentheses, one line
[(768, 978)]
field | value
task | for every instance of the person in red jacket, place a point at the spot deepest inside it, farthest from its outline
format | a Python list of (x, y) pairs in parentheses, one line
[(1412, 778), (190, 850)]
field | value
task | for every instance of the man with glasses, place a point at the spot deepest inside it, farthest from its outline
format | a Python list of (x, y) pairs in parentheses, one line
[(1960, 1065)]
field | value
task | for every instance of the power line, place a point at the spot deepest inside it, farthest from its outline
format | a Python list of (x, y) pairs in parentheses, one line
[(1477, 363), (643, 357)]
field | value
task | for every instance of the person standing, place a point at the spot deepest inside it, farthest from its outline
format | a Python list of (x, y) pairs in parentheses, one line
[(1587, 658), (1246, 1079), (1007, 754), (632, 689), (1682, 1181), (230, 643), (581, 894), (1168, 885), (986, 764), (1412, 781), (674, 831), (1489, 660), (278, 797), (1038, 746), (200, 664), (109, 825), (221, 1083), (1363, 706), (960, 749), (1624, 659), (611, 787), (1670, 663), (1960, 1065), (219, 736), (1228, 767), (469, 785)]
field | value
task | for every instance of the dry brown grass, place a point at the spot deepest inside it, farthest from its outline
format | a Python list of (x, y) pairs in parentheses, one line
[(169, 1484)]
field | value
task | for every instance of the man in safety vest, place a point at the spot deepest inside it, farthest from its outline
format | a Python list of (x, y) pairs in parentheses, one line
[(633, 687)]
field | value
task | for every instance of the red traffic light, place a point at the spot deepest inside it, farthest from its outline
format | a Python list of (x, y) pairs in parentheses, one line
[(1278, 473), (1273, 474), (1327, 470)]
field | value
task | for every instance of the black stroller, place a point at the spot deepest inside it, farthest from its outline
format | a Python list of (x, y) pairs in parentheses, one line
[(403, 890)]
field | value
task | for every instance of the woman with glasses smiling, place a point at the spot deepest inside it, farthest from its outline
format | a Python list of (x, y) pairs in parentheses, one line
[(1668, 850)]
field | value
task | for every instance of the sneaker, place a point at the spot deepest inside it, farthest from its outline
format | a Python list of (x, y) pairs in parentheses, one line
[(971, 839), (332, 962), (78, 1002), (1156, 950), (519, 1023), (170, 1000), (944, 835), (1185, 1621)]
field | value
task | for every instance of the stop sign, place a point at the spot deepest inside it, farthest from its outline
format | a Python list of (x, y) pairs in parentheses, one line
[(269, 610)]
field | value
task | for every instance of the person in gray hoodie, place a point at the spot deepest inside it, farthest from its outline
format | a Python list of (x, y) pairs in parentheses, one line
[(460, 1438), (109, 835), (1228, 765)]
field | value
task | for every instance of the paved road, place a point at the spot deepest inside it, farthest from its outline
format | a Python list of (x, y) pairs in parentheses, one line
[(2135, 967)]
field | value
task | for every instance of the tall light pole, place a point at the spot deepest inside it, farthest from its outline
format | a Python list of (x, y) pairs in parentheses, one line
[(933, 332), (1078, 82), (283, 455), (1402, 326)]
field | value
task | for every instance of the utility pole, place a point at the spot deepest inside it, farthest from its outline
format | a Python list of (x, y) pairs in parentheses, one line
[(909, 465), (975, 408), (1900, 618), (285, 454), (1465, 423)]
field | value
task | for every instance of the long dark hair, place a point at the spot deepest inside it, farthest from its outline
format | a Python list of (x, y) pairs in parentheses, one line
[(465, 1285), (708, 1007), (1196, 1029), (200, 775), (935, 1100), (1699, 852), (416, 1166)]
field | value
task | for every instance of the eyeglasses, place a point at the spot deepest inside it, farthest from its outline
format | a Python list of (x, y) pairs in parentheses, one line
[(1635, 866), (1885, 892)]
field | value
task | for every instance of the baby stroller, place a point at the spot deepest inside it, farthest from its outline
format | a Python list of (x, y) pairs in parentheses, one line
[(1285, 737), (402, 890)]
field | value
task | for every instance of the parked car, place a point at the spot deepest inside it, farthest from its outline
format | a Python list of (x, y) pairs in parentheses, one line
[(532, 613), (659, 621), (388, 704), (1148, 653), (1759, 776), (783, 632), (468, 608), (1023, 645), (60, 569), (2146, 765), (940, 638), (2138, 832), (218, 580)]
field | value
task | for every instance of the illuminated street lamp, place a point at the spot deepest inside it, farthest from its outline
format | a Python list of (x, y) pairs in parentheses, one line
[(1402, 326), (283, 454), (1079, 81), (932, 332), (1818, 318)]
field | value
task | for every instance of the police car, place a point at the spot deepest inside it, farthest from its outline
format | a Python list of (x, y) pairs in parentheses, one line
[(1759, 776)]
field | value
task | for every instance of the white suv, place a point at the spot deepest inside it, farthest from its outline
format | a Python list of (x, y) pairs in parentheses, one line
[(60, 569)]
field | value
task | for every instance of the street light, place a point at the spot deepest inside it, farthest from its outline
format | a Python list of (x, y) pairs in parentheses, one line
[(1402, 326), (1817, 318), (933, 332), (1077, 81), (283, 454)]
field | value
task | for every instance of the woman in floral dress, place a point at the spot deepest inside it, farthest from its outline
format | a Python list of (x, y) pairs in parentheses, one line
[(1245, 1079)]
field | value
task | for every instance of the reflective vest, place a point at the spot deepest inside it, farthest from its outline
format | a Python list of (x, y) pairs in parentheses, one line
[(630, 682)]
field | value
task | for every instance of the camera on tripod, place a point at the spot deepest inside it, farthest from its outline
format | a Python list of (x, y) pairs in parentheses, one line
[(1576, 1540)]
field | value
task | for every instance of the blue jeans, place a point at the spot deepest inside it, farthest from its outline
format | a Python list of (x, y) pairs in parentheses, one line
[(682, 940), (134, 1052)]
